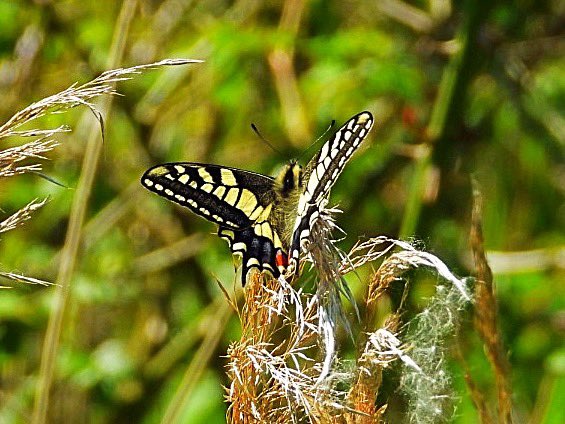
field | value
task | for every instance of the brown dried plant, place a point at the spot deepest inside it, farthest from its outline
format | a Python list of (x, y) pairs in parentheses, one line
[(486, 324), (287, 366)]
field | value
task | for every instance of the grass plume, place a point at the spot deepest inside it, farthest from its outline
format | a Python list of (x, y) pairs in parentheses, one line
[(287, 366)]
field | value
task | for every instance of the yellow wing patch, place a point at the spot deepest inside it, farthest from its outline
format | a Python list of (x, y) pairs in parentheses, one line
[(247, 202), (227, 177)]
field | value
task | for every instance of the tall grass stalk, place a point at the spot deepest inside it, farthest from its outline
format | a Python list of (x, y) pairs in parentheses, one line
[(446, 113), (486, 318), (76, 218), (104, 84)]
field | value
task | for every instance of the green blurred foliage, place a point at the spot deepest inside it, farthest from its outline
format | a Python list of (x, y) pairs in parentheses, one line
[(347, 56)]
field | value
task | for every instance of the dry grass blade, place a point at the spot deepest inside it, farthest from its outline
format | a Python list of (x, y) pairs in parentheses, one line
[(478, 400), (23, 279), (11, 156), (409, 257), (486, 314), (427, 387), (34, 149), (22, 215), (81, 95), (373, 357)]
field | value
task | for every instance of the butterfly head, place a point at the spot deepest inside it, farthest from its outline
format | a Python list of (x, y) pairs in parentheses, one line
[(289, 180)]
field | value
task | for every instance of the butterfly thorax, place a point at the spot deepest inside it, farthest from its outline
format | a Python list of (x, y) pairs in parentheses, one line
[(287, 188)]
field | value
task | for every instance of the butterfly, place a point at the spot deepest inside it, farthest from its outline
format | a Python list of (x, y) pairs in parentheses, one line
[(266, 220)]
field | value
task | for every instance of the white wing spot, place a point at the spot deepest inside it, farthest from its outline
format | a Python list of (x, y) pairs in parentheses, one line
[(312, 183), (247, 202), (239, 246), (252, 262), (148, 182), (256, 213), (227, 234), (184, 178), (276, 240), (320, 170), (313, 218), (169, 192), (324, 151), (180, 169), (158, 187), (179, 197), (302, 203), (304, 234)]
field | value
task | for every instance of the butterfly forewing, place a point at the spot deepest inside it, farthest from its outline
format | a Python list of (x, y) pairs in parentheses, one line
[(323, 171), (229, 197), (240, 202)]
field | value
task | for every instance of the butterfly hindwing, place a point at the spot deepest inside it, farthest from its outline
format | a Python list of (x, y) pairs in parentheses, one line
[(257, 245), (321, 174)]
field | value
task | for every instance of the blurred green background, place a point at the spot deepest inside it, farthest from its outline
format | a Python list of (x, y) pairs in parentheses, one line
[(479, 86)]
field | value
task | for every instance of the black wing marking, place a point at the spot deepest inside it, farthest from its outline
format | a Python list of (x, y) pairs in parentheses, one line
[(258, 247), (321, 174), (230, 197)]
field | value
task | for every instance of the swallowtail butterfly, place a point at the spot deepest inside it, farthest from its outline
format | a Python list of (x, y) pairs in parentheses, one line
[(266, 220)]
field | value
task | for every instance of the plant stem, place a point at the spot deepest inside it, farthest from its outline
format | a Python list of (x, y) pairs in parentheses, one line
[(446, 114), (74, 230)]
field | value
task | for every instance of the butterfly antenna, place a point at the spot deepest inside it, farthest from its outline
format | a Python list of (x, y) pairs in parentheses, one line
[(318, 139), (256, 130)]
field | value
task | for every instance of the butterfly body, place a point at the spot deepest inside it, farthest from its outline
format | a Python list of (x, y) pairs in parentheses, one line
[(265, 220)]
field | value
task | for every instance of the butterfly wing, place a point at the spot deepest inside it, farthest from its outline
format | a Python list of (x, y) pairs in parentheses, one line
[(229, 197), (239, 201), (321, 174)]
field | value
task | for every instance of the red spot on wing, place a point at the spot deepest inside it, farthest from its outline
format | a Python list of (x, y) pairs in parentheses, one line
[(281, 259)]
